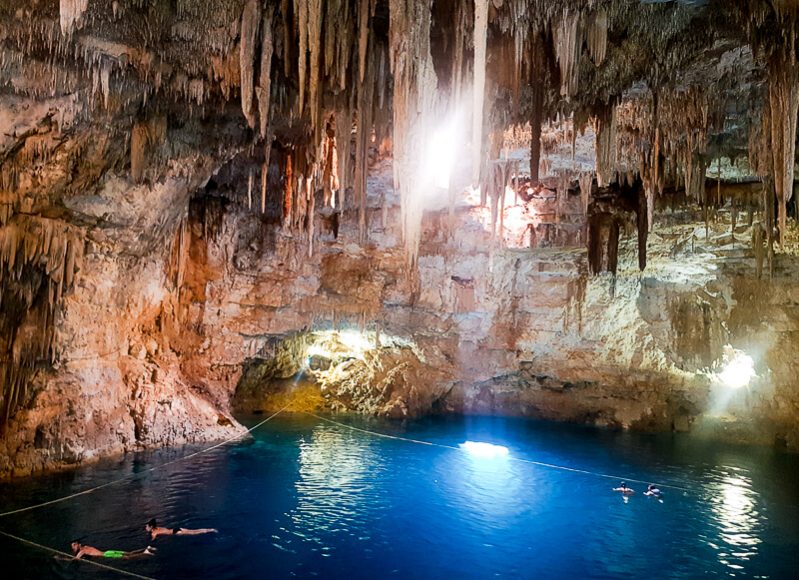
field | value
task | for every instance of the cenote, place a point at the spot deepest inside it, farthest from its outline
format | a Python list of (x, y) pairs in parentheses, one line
[(309, 498)]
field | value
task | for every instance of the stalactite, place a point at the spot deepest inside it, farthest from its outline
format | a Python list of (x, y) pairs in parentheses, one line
[(263, 91), (363, 36), (480, 39), (144, 136), (288, 194), (586, 180), (301, 14), (250, 20), (613, 248), (314, 11), (309, 187), (597, 36), (343, 151), (414, 108), (537, 103), (642, 221), (362, 138), (249, 189), (264, 182), (70, 12), (606, 144), (568, 37), (783, 102), (39, 259)]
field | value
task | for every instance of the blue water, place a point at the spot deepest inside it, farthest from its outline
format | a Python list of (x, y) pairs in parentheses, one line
[(307, 498)]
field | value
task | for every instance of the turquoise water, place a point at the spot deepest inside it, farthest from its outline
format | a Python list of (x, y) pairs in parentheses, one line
[(306, 498)]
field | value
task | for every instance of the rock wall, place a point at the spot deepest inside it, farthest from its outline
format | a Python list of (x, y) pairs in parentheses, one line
[(515, 331)]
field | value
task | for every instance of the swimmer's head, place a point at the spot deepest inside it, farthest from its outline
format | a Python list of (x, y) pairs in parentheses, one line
[(150, 525), (623, 484)]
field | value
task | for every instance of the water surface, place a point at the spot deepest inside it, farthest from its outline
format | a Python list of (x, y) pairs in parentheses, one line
[(305, 498)]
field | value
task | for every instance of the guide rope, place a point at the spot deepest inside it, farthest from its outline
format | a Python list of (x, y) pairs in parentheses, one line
[(511, 457), (135, 475), (71, 557)]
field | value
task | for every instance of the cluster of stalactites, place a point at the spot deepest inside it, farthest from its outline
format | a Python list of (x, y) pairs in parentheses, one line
[(571, 31), (783, 107), (414, 107), (70, 12), (39, 258)]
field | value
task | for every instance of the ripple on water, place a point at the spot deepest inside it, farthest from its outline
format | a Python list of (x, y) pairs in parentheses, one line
[(306, 498)]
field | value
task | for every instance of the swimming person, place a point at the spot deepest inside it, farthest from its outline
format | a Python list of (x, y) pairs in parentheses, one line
[(624, 489), (653, 491), (80, 550), (155, 531)]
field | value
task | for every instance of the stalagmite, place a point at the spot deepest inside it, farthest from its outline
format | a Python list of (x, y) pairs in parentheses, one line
[(250, 19), (480, 38)]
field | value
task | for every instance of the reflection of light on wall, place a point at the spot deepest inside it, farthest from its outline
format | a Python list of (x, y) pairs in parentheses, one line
[(484, 450), (730, 381), (734, 507), (738, 370)]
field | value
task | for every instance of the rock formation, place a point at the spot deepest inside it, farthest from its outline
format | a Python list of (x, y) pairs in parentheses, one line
[(192, 191)]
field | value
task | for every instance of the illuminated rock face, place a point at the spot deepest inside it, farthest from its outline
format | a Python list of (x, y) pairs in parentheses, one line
[(185, 185)]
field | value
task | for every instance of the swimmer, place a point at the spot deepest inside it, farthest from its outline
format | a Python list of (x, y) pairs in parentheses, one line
[(624, 489), (653, 491), (80, 551), (155, 531)]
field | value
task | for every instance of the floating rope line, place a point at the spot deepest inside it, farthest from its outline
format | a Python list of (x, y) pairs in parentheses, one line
[(72, 557), (511, 457), (135, 475)]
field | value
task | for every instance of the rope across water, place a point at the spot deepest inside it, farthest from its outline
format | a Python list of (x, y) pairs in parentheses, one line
[(115, 482), (510, 457), (71, 557), (135, 475)]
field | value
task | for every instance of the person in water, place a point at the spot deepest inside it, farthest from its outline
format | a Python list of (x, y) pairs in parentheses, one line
[(154, 530), (624, 489), (653, 491), (80, 551)]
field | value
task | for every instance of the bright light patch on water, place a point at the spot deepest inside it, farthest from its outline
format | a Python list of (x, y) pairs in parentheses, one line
[(484, 450)]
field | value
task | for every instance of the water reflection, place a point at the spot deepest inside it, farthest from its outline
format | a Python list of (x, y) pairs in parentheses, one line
[(486, 489), (338, 473), (734, 506)]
